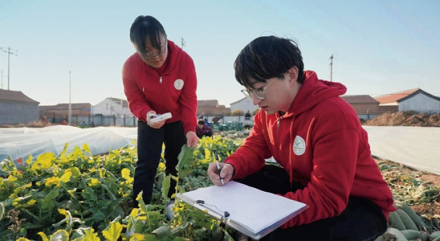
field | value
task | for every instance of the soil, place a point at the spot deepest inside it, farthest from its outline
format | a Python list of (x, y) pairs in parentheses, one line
[(404, 118), (431, 209), (413, 119)]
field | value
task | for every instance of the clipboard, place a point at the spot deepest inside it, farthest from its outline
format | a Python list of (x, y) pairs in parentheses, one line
[(254, 220)]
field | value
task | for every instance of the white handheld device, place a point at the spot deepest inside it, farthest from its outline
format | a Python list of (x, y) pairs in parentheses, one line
[(158, 118)]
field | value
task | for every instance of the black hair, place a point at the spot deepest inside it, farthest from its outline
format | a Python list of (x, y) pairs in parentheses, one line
[(267, 57), (201, 122), (145, 27)]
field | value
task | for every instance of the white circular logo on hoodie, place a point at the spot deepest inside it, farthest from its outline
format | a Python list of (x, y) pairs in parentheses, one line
[(299, 146), (178, 84)]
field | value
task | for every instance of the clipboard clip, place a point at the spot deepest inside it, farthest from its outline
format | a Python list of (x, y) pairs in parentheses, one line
[(218, 212)]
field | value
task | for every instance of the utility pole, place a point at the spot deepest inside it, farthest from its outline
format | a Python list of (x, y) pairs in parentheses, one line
[(2, 80), (70, 102), (331, 67), (182, 42), (9, 60)]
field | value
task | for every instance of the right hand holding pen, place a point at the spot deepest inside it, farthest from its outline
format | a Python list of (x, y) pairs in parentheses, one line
[(156, 125), (226, 173)]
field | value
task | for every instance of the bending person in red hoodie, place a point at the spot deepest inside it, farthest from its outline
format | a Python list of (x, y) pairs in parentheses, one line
[(160, 77), (317, 139)]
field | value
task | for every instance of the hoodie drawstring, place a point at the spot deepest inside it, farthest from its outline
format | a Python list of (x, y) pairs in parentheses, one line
[(290, 154)]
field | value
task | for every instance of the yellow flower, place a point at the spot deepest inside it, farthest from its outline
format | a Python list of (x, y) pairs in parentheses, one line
[(126, 175), (93, 182), (161, 167), (12, 178), (52, 181)]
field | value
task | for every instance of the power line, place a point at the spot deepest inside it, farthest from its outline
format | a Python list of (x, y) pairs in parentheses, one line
[(9, 57)]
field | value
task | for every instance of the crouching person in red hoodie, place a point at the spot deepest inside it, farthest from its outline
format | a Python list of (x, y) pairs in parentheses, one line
[(317, 139)]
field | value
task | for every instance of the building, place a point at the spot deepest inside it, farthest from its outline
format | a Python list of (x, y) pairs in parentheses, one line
[(211, 108), (410, 100), (113, 112), (244, 105), (112, 106), (16, 108), (57, 113), (365, 106)]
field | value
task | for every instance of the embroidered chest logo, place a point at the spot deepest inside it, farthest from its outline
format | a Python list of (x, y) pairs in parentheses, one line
[(299, 146), (178, 84)]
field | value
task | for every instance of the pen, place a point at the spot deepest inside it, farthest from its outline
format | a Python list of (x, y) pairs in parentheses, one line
[(218, 166)]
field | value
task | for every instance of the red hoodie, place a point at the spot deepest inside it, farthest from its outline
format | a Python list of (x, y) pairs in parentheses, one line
[(173, 91), (321, 144)]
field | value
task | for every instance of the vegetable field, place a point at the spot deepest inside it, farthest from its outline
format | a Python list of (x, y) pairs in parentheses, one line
[(77, 196)]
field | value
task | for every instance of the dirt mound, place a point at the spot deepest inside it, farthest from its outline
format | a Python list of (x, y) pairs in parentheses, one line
[(404, 118)]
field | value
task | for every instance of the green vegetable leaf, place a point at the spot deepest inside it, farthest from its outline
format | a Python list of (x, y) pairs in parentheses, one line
[(60, 235), (165, 187), (113, 231), (162, 232), (185, 157), (2, 211)]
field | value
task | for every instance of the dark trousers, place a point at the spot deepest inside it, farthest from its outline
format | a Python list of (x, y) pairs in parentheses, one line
[(149, 149), (362, 220)]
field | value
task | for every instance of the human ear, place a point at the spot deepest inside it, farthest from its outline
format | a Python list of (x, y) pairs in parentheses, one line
[(293, 74)]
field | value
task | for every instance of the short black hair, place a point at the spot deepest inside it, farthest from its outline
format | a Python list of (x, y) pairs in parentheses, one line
[(201, 122), (268, 57), (145, 27)]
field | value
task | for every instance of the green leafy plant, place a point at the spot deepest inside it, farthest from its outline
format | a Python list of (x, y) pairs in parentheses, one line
[(77, 196)]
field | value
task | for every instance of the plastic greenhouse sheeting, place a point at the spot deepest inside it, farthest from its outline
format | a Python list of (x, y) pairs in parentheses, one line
[(417, 147), (21, 142)]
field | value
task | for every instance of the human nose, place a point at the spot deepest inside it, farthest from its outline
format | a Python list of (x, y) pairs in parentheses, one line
[(255, 100), (154, 57)]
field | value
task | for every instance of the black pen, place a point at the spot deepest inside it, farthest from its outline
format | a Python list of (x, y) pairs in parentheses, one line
[(218, 166)]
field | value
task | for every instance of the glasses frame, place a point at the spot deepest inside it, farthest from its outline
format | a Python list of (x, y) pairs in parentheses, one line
[(259, 93), (162, 52)]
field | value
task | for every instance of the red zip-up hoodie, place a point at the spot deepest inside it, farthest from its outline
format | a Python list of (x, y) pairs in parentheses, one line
[(321, 144), (173, 91)]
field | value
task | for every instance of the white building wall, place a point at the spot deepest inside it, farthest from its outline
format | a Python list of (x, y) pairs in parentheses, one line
[(420, 103), (244, 104), (108, 107)]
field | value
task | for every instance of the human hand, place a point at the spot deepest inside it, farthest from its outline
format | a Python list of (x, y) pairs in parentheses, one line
[(156, 125), (226, 173), (191, 139)]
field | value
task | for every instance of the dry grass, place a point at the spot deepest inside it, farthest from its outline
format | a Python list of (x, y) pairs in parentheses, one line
[(33, 124)]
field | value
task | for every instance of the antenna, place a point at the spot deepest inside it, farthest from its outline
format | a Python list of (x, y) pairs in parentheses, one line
[(331, 68), (70, 100), (9, 52), (182, 42)]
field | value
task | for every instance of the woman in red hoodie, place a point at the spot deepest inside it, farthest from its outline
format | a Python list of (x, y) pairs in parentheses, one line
[(159, 78), (317, 139)]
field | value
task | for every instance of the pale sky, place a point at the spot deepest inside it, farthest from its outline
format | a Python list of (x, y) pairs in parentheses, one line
[(380, 47)]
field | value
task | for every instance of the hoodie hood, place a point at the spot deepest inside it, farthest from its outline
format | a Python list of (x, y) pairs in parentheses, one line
[(174, 54), (312, 92)]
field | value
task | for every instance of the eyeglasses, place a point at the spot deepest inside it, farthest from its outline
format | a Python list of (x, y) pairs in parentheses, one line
[(258, 93), (147, 56)]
